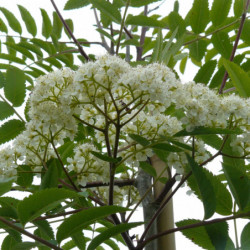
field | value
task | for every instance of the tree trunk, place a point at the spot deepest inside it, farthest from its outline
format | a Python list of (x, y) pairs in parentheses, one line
[(165, 220)]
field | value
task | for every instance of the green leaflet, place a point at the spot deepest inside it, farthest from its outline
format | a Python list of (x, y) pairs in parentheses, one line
[(208, 131), (47, 25), (10, 129), (205, 186), (79, 240), (20, 49), (105, 157), (45, 229), (50, 178), (13, 22), (139, 3), (239, 77), (139, 139), (175, 21), (205, 72), (224, 202), (142, 20), (148, 168), (24, 176), (42, 201), (79, 221), (197, 235), (70, 24), (157, 48), (198, 49), (3, 27), (12, 58), (5, 110), (238, 182), (76, 4), (222, 44), (110, 233), (57, 26), (28, 20), (245, 32), (9, 243), (219, 11), (14, 89), (245, 239), (5, 185), (199, 16), (239, 6), (108, 9)]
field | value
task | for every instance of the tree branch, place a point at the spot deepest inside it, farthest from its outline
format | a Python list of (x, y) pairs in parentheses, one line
[(243, 18), (70, 32), (32, 236)]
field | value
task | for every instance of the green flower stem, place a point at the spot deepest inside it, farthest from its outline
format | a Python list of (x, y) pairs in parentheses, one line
[(32, 236)]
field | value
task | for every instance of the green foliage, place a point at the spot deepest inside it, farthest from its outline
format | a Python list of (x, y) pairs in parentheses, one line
[(40, 202), (206, 188), (239, 77), (5, 185), (245, 240), (79, 221), (139, 139), (6, 110), (110, 233), (14, 89), (198, 49), (75, 4), (148, 168), (10, 129), (199, 16), (47, 25), (219, 11)]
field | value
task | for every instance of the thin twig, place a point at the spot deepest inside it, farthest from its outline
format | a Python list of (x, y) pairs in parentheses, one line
[(70, 32), (119, 183), (32, 236), (243, 18)]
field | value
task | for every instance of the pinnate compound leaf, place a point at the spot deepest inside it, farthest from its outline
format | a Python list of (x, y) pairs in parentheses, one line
[(76, 4), (107, 8), (47, 25), (245, 239), (13, 22), (14, 89), (110, 233), (5, 110), (10, 129), (42, 201), (219, 11), (205, 72), (148, 168), (239, 77), (208, 131), (139, 139), (199, 16), (28, 20), (79, 221), (205, 186)]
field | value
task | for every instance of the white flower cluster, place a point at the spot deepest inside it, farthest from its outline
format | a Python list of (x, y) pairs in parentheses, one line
[(107, 94)]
